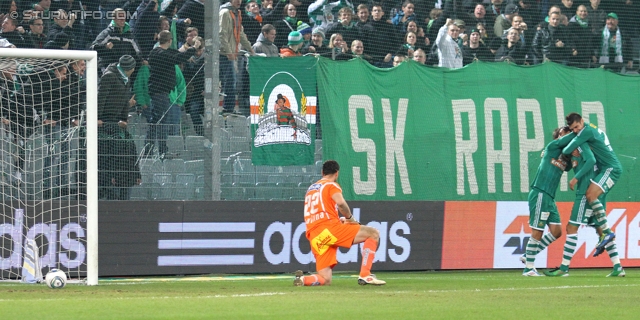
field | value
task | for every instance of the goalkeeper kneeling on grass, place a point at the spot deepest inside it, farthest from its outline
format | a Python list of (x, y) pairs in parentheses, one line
[(326, 231)]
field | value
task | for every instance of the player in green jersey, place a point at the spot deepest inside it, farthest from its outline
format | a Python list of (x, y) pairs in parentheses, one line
[(608, 165), (583, 163), (542, 204)]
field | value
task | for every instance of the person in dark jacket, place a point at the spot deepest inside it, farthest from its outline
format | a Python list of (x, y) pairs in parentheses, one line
[(194, 76), (35, 35), (60, 42), (117, 157), (115, 41), (553, 42), (194, 10), (63, 23), (162, 80), (146, 28), (17, 117), (9, 32), (512, 48)]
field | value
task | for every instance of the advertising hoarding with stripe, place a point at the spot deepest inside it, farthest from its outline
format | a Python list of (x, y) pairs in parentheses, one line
[(485, 235)]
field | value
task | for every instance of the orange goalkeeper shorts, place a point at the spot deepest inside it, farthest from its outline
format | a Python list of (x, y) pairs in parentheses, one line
[(325, 241)]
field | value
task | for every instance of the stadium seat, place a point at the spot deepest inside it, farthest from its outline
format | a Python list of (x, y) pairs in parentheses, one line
[(174, 166), (185, 187), (175, 145)]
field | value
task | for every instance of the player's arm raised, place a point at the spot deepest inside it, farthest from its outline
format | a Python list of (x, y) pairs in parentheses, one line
[(343, 207)]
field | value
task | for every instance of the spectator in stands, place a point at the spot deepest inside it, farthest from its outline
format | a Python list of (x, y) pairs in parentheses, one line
[(63, 22), (305, 31), (357, 51), (294, 45), (421, 40), (615, 45), (231, 37), (252, 21), (115, 41), (286, 25), (339, 50), (449, 53), (35, 35), (363, 15), (60, 42), (344, 26), (581, 31), (41, 8), (402, 17), (553, 42), (146, 31), (529, 10), (420, 56), (117, 157), (317, 45), (162, 80), (194, 75), (479, 15), (271, 12), (382, 43), (596, 16), (566, 6), (8, 7), (16, 117), (322, 13), (409, 45), (194, 10), (11, 32), (265, 45), (189, 34), (512, 49), (475, 50), (49, 104), (503, 21), (398, 59)]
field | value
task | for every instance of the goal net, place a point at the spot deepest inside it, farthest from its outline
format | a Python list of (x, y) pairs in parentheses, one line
[(48, 153)]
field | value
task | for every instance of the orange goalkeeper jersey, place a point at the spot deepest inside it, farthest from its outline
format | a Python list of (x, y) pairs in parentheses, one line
[(319, 207)]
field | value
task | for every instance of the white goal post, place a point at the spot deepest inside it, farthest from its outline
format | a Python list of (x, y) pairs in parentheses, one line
[(91, 78)]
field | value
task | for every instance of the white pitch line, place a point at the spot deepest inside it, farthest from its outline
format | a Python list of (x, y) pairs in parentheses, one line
[(217, 296)]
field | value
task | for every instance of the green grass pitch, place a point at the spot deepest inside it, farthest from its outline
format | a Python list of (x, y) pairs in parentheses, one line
[(585, 294)]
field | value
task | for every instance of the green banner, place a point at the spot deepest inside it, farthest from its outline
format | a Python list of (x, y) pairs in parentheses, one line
[(421, 133), (283, 110)]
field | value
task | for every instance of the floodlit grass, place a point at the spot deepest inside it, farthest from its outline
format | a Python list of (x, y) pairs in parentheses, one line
[(586, 294)]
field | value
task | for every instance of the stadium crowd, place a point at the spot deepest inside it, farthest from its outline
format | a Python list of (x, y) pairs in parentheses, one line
[(161, 42)]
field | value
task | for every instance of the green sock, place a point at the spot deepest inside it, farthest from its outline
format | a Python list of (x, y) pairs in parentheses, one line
[(598, 211), (532, 249), (546, 240), (569, 250), (612, 250)]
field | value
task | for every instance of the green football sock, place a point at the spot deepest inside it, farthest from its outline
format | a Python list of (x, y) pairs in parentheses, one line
[(612, 250), (569, 250), (533, 247), (546, 240)]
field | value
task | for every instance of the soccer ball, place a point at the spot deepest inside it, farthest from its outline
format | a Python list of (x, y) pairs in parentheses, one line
[(55, 279)]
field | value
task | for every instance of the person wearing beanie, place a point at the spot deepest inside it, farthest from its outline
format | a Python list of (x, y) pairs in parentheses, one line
[(117, 170), (295, 41), (475, 50), (317, 44), (305, 31)]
